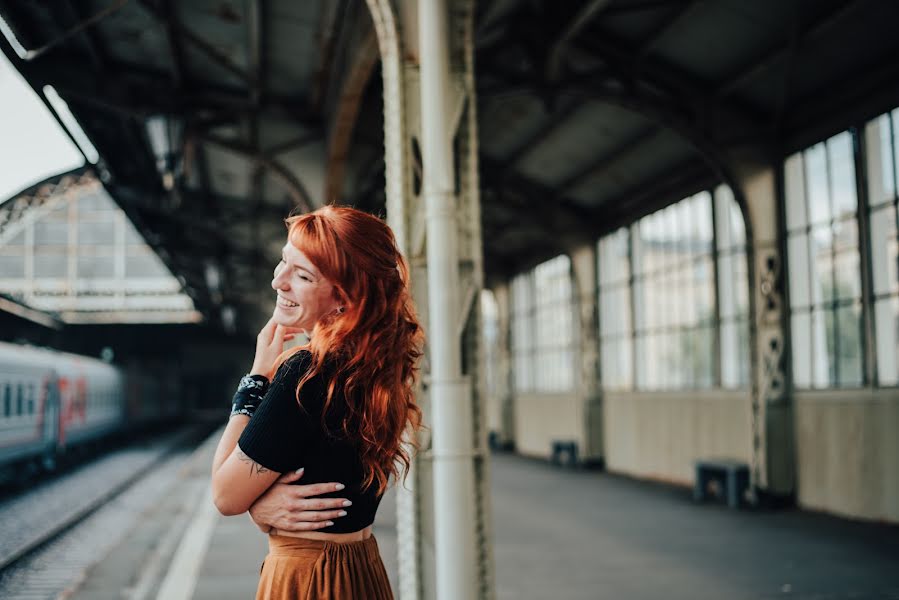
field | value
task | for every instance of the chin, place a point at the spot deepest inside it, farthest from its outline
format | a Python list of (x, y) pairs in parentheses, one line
[(284, 319)]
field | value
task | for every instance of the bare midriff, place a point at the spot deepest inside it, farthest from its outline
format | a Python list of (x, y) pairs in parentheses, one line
[(338, 538)]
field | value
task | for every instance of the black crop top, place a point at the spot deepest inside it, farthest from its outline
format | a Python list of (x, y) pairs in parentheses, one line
[(283, 437)]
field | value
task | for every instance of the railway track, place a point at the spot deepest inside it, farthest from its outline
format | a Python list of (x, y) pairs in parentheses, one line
[(34, 525)]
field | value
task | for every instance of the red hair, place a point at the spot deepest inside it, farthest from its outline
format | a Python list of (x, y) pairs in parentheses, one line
[(375, 343)]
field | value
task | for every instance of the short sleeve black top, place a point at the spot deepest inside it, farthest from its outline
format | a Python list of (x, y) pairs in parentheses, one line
[(283, 437)]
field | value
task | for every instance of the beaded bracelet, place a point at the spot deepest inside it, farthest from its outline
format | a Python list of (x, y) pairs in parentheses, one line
[(249, 394)]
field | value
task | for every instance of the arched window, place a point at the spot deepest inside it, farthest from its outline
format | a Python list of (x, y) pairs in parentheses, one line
[(666, 322)]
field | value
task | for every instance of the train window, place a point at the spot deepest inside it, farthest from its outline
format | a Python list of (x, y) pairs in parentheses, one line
[(7, 400), (20, 400), (31, 394)]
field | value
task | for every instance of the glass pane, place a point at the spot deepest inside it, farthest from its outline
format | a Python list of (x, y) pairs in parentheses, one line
[(847, 282), (881, 182), (132, 237), (884, 250), (705, 290), (726, 302), (730, 355), (794, 183), (642, 361), (616, 363), (741, 283), (626, 360), (703, 214), (822, 272), (842, 174), (822, 348), (673, 291), (96, 234), (51, 233), (146, 265), (50, 265), (845, 235), (17, 240), (797, 252), (639, 305), (737, 224), (704, 365), (636, 248), (96, 266), (849, 345), (672, 237), (12, 267), (886, 315), (723, 201), (613, 261), (816, 184), (684, 223)]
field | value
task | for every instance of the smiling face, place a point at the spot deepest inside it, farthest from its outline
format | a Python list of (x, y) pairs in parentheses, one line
[(304, 295)]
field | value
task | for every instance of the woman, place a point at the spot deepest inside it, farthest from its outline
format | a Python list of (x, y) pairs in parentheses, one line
[(337, 409)]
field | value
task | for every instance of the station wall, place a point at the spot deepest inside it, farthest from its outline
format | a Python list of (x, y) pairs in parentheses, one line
[(675, 335)]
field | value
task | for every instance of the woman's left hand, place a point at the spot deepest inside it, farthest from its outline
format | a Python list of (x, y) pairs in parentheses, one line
[(270, 345)]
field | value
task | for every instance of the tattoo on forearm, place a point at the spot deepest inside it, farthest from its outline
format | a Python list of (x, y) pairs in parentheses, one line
[(255, 467)]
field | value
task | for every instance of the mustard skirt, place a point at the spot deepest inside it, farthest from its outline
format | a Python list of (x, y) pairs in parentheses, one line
[(297, 568)]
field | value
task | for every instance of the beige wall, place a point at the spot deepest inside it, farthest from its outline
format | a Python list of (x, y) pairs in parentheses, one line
[(658, 435), (848, 452), (542, 418)]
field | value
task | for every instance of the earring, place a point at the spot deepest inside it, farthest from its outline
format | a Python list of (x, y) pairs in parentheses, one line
[(340, 309)]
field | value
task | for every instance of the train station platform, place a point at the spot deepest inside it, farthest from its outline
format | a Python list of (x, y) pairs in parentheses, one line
[(559, 533)]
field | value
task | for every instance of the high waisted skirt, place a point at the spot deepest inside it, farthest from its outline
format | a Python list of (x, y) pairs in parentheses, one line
[(301, 569)]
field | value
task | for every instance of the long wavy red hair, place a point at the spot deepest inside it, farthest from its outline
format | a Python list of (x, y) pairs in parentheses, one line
[(373, 346)]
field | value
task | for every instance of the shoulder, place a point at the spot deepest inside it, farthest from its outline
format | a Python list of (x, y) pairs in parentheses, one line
[(295, 365)]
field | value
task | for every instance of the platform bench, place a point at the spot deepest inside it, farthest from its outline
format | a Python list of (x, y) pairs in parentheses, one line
[(731, 475)]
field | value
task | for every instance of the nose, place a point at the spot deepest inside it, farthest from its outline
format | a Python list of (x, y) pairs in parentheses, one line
[(279, 281)]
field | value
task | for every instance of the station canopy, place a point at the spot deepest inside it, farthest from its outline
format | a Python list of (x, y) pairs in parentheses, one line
[(214, 119)]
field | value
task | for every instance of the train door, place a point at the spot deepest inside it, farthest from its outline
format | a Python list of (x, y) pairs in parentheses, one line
[(50, 407)]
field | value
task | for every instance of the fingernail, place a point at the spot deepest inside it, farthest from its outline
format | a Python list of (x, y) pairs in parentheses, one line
[(300, 470), (339, 486), (341, 513), (329, 523), (347, 503)]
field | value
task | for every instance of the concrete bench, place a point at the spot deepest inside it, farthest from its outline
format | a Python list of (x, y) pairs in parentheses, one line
[(731, 475)]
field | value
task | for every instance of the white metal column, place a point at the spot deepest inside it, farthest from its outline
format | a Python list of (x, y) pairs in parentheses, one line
[(453, 472)]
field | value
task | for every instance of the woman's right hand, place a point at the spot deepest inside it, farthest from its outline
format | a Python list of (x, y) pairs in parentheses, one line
[(291, 507)]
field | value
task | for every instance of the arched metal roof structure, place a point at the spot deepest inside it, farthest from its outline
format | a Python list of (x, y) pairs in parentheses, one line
[(589, 113)]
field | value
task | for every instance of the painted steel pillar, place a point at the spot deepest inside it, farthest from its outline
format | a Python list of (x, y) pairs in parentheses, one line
[(453, 448), (420, 510), (583, 272), (773, 468)]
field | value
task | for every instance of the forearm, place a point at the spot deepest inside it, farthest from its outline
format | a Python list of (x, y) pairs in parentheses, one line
[(228, 442), (263, 527)]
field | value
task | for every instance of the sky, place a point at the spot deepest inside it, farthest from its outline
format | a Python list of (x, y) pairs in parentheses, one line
[(33, 146)]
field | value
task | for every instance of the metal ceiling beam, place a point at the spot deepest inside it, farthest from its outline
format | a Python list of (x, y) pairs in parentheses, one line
[(142, 92), (32, 54), (608, 160), (670, 21), (210, 50), (763, 63), (293, 143), (557, 51), (92, 41), (536, 202), (176, 49), (294, 186), (256, 43), (682, 89), (553, 122), (668, 187)]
